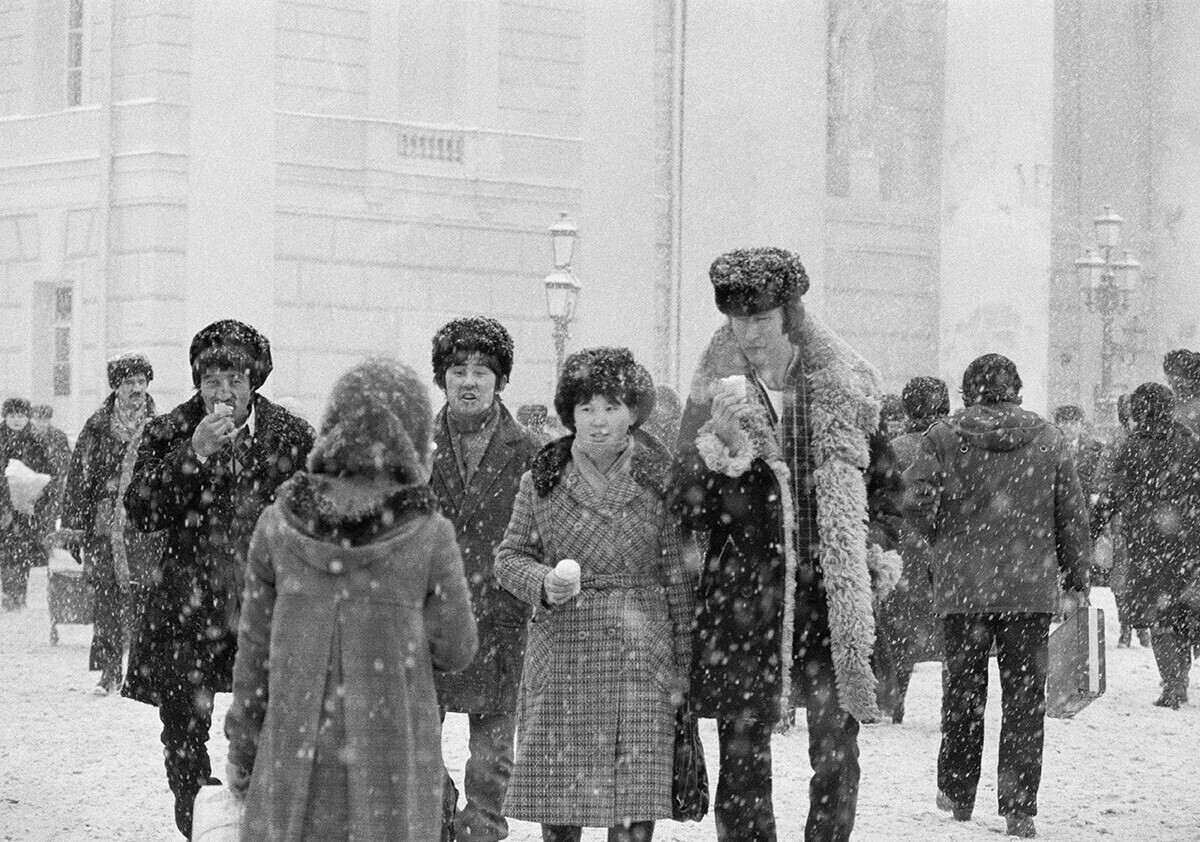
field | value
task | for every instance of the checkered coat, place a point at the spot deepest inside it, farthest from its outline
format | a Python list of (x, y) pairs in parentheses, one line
[(595, 717)]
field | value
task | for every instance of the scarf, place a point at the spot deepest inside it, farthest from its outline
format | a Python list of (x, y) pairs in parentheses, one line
[(600, 480)]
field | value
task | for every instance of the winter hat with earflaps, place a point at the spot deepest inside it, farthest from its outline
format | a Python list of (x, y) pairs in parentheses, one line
[(128, 365), (231, 344), (460, 339), (377, 425), (747, 282)]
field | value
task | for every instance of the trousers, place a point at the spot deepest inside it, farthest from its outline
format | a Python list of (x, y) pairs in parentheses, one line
[(485, 779)]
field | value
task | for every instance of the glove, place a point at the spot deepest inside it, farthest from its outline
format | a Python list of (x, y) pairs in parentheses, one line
[(237, 778)]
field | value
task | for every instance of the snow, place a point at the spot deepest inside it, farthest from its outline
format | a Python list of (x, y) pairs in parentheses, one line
[(77, 767)]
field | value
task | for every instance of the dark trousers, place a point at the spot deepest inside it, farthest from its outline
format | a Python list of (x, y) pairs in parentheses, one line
[(485, 779), (1170, 639), (186, 718), (116, 615), (742, 807), (14, 580), (19, 548), (634, 832), (1022, 652)]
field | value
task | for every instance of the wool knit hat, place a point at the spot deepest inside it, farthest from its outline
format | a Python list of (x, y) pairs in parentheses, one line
[(925, 397), (992, 378), (128, 365), (377, 424), (231, 344), (611, 372), (751, 281), (459, 339), (1152, 406), (16, 406)]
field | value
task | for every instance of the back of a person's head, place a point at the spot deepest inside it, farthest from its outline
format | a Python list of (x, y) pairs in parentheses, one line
[(377, 424), (532, 414), (925, 398), (991, 379), (1068, 414), (1152, 407)]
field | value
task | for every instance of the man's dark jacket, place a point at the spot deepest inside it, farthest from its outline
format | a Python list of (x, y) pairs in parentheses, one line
[(209, 510)]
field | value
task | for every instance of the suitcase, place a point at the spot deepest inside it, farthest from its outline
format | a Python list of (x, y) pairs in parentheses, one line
[(69, 596), (1076, 675), (217, 815)]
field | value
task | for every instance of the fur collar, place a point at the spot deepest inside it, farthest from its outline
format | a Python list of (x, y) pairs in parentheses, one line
[(649, 463), (352, 512), (841, 376)]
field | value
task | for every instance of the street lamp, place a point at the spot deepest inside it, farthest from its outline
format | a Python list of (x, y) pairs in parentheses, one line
[(1106, 282), (562, 289)]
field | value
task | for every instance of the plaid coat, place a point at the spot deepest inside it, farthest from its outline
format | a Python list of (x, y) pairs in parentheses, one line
[(596, 728)]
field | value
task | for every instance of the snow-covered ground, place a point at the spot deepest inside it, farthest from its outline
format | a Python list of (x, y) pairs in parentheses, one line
[(76, 767)]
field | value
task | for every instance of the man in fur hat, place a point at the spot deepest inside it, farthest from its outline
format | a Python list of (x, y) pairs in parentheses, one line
[(20, 541), (204, 473), (1182, 369), (783, 465), (481, 454)]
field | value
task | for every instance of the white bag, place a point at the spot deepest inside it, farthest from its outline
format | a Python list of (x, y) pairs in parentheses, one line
[(217, 815), (25, 485)]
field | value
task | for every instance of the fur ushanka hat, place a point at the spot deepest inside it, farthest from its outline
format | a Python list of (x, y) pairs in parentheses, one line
[(377, 424), (128, 365), (460, 339), (16, 406), (611, 372), (751, 281), (231, 344), (1152, 407)]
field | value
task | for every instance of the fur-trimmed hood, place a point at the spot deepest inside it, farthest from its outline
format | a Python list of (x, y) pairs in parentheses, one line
[(351, 511)]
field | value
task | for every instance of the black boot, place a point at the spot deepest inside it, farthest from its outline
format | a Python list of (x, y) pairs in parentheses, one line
[(1126, 638)]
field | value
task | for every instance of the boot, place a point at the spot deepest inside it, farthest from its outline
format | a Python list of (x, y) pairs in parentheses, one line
[(947, 805), (1123, 642), (1021, 826), (1144, 637)]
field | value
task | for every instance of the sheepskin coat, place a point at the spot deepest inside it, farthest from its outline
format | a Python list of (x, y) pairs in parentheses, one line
[(353, 598), (480, 510), (754, 576), (596, 722)]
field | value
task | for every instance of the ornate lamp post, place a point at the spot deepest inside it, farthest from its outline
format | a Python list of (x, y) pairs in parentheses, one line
[(1106, 284), (562, 288)]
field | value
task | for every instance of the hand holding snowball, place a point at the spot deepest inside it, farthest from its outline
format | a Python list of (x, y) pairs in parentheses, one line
[(562, 583)]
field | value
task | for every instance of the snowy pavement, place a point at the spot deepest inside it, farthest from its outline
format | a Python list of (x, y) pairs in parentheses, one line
[(76, 767)]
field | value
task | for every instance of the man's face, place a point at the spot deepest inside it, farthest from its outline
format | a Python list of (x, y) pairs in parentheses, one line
[(16, 421), (131, 391), (471, 388), (227, 386), (761, 338)]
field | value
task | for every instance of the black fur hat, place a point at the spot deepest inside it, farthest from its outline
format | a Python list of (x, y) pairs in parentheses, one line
[(459, 339), (127, 365), (926, 397), (992, 378), (750, 281), (1152, 407), (1067, 413), (377, 424), (611, 372), (1182, 363), (231, 344), (16, 406)]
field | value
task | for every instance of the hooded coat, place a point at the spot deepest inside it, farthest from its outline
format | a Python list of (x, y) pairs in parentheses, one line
[(480, 511), (1154, 485), (996, 493), (187, 635), (755, 592), (352, 601)]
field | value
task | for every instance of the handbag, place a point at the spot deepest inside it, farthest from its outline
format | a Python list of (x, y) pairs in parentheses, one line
[(689, 780)]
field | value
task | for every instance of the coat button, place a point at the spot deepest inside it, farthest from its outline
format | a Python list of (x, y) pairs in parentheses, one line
[(611, 630)]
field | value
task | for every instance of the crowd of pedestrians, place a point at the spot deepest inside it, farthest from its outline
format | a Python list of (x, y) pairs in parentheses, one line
[(785, 537)]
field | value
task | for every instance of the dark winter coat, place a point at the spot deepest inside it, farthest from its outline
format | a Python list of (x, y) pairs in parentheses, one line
[(744, 627), (21, 542), (996, 493), (58, 451), (187, 637), (352, 601), (1155, 488), (1089, 455), (596, 732), (100, 472), (480, 513)]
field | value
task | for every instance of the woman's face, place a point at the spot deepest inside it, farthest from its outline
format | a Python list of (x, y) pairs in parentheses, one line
[(602, 422)]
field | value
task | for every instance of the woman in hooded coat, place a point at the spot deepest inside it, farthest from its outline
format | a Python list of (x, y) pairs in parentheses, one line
[(1155, 487), (354, 595)]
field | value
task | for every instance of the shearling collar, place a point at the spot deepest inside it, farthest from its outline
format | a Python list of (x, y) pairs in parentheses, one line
[(841, 376), (648, 465)]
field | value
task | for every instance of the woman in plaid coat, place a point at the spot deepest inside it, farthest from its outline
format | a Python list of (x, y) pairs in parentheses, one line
[(607, 652)]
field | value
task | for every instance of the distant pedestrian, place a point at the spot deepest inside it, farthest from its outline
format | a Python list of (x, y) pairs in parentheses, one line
[(120, 562), (906, 629), (1155, 487), (20, 539), (354, 596), (892, 416), (204, 473), (58, 451), (607, 651), (996, 493), (481, 454), (1182, 369), (1089, 456)]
